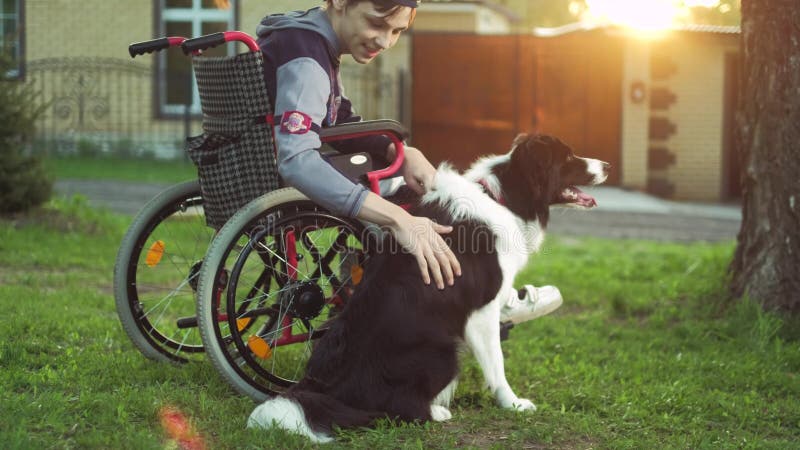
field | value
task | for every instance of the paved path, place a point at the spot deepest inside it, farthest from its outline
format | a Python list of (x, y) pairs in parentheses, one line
[(620, 213), (119, 196), (629, 214)]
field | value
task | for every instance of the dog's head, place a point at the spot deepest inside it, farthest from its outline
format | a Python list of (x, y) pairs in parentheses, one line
[(543, 171)]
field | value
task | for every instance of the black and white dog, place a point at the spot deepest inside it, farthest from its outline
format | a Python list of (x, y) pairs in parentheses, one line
[(393, 351)]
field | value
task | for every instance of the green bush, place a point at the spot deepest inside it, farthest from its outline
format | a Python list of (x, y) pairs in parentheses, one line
[(124, 148), (24, 182), (88, 148)]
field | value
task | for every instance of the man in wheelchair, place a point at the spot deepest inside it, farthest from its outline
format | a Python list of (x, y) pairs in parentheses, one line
[(302, 52)]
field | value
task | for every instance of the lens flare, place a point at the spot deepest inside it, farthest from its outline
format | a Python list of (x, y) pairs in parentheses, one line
[(179, 431), (645, 16)]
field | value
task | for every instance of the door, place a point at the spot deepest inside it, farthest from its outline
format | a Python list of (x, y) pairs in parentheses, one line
[(472, 94)]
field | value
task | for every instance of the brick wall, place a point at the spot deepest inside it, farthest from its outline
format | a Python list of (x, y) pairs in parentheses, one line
[(635, 114), (57, 28), (67, 27), (698, 113), (672, 142)]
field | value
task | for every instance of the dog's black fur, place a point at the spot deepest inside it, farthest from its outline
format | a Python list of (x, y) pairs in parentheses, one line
[(394, 347)]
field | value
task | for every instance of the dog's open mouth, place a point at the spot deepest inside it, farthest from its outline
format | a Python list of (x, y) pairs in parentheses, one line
[(577, 197)]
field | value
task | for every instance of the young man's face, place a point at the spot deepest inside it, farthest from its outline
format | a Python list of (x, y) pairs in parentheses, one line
[(364, 32)]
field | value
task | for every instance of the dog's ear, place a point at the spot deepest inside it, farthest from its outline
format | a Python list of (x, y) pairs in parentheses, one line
[(520, 139), (532, 151), (532, 164)]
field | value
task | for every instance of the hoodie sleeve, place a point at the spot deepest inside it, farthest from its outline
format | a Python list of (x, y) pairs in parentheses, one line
[(303, 90)]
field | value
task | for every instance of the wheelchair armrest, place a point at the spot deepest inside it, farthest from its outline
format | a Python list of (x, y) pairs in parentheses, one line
[(367, 127), (397, 133)]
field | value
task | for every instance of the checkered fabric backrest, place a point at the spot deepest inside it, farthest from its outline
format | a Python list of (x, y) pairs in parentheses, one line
[(235, 155)]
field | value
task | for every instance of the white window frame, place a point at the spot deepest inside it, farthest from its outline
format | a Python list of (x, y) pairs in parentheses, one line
[(197, 15), (20, 47)]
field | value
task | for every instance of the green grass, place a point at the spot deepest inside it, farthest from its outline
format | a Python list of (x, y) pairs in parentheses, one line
[(645, 353), (112, 168)]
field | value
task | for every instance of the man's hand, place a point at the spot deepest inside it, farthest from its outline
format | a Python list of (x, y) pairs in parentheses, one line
[(421, 237), (418, 172)]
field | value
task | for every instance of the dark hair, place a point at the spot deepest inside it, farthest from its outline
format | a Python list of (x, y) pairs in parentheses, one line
[(387, 7)]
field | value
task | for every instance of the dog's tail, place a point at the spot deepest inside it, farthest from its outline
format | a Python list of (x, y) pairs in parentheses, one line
[(310, 414)]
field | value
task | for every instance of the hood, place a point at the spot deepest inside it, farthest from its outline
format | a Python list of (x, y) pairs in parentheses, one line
[(314, 19)]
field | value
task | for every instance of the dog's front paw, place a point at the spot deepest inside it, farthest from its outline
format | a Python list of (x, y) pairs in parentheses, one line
[(507, 400), (523, 404), (440, 413)]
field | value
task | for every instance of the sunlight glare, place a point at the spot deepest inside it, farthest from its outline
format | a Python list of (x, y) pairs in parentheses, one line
[(701, 3), (649, 15), (643, 16)]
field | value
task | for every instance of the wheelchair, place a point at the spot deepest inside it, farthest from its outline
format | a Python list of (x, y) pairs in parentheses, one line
[(234, 265)]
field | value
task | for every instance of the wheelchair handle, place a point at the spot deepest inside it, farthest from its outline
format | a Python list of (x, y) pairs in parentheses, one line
[(201, 43), (155, 45)]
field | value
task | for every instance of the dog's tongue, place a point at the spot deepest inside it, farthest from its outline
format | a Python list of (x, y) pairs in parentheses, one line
[(581, 198)]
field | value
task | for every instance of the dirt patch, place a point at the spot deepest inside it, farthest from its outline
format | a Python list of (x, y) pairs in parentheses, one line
[(481, 438), (15, 275), (502, 435)]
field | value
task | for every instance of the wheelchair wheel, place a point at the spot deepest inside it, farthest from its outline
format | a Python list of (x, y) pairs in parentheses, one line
[(277, 270), (156, 271)]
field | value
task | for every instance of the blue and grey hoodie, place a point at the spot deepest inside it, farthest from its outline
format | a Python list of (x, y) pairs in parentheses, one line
[(301, 69)]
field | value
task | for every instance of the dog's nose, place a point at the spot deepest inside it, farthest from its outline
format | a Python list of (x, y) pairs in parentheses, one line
[(606, 166)]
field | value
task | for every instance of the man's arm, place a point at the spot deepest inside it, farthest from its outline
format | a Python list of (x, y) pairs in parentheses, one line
[(303, 89)]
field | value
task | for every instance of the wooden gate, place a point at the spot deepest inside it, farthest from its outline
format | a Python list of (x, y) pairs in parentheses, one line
[(472, 94)]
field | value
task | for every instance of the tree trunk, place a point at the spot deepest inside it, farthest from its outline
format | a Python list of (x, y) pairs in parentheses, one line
[(766, 266)]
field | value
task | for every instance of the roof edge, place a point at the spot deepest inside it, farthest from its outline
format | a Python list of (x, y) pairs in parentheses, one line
[(577, 27)]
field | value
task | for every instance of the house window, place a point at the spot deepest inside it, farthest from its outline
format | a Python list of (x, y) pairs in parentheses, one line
[(11, 37), (187, 18)]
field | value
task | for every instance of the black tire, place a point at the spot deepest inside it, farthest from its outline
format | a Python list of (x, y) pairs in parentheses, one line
[(155, 298), (245, 272)]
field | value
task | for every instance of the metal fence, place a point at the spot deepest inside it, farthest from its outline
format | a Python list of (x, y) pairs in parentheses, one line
[(107, 106), (375, 94), (99, 105)]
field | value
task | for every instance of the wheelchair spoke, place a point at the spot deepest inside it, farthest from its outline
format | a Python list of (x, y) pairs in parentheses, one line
[(280, 258), (306, 355), (173, 293), (251, 295), (182, 343)]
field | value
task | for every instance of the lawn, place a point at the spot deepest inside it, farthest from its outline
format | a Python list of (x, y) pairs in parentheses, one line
[(645, 353), (125, 169)]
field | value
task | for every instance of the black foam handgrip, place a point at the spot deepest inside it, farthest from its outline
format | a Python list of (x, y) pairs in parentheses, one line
[(140, 48), (187, 322), (203, 42)]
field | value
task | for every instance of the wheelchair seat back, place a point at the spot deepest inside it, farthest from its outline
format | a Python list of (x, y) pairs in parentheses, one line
[(235, 155)]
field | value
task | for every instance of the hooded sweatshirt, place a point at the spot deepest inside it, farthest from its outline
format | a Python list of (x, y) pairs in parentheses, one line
[(301, 69)]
